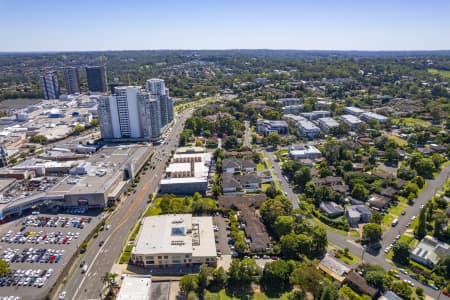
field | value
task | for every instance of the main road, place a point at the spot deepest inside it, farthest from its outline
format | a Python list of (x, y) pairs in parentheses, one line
[(349, 242), (100, 259)]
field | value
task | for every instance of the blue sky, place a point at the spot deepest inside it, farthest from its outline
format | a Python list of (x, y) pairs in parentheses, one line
[(53, 25)]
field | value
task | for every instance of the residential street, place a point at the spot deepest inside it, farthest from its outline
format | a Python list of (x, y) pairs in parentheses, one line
[(355, 248)]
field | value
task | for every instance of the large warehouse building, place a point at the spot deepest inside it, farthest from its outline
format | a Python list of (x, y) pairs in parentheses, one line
[(175, 240)]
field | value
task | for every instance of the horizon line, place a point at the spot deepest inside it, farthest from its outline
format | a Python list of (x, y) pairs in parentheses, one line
[(226, 49)]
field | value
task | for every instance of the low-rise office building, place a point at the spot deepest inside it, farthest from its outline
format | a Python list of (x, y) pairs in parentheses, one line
[(352, 110), (308, 129), (327, 123), (351, 120), (268, 126), (288, 101), (303, 151), (317, 114), (175, 240), (292, 109), (370, 115), (186, 174)]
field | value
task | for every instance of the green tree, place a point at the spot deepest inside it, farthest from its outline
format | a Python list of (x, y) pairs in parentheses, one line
[(204, 277), (319, 240), (95, 123), (360, 192), (273, 139), (289, 246), (188, 283), (406, 173), (402, 289), (219, 279), (275, 277), (4, 268), (302, 176), (78, 128), (108, 279), (372, 233), (419, 181), (425, 168), (329, 293), (376, 218), (271, 209), (421, 229), (437, 160), (38, 139), (309, 279), (401, 252), (243, 272), (283, 225), (375, 278)]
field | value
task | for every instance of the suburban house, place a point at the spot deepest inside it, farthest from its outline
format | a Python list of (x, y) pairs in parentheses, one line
[(331, 209), (336, 183), (390, 295), (360, 285), (358, 214), (430, 251), (232, 183), (236, 165), (250, 182), (334, 268), (378, 201), (388, 192)]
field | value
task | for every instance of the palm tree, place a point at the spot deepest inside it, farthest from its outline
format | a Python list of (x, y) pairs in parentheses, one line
[(108, 279)]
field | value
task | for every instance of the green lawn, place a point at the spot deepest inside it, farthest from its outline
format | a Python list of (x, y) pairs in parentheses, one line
[(260, 166), (445, 75), (411, 122), (350, 259), (126, 254), (318, 222), (401, 142), (397, 210), (387, 220), (153, 211), (265, 186)]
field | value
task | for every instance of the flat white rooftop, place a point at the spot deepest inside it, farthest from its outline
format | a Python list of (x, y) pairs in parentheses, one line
[(135, 287), (178, 234), (350, 119)]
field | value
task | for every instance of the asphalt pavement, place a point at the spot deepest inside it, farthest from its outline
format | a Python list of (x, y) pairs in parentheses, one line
[(101, 259)]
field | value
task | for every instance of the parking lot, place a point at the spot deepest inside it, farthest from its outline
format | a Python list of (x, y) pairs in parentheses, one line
[(38, 246), (222, 235)]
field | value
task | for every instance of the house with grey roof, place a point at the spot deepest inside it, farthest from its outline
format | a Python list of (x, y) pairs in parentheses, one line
[(429, 251), (357, 214), (331, 209)]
